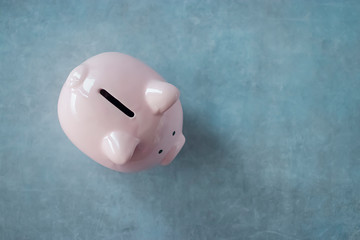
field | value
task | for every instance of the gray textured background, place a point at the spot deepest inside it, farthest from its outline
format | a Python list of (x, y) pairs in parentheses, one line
[(271, 98)]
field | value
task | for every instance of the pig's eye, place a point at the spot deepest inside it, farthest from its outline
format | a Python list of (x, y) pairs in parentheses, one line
[(160, 151), (116, 103), (173, 133)]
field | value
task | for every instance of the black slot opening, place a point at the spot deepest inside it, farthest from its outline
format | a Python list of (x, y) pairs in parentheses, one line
[(116, 103)]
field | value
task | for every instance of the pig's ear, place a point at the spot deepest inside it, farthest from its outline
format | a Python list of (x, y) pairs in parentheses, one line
[(77, 76), (119, 147), (160, 96)]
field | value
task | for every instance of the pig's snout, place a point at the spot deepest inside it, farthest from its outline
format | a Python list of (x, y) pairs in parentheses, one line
[(169, 157)]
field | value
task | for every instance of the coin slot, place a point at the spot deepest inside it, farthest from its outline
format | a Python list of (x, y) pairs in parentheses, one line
[(117, 103)]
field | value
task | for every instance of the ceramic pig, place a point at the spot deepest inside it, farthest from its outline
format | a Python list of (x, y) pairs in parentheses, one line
[(121, 113)]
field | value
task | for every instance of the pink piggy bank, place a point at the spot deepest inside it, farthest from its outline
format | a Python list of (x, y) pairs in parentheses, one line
[(121, 113)]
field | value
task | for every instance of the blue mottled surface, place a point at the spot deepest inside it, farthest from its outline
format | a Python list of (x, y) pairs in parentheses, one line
[(271, 98)]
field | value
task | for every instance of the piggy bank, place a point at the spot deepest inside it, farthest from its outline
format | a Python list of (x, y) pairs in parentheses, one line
[(121, 113)]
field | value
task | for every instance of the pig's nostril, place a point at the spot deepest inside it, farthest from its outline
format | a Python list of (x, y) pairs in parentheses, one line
[(160, 151), (173, 133)]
